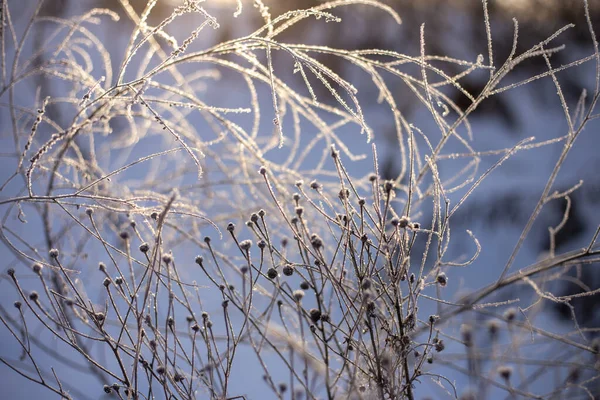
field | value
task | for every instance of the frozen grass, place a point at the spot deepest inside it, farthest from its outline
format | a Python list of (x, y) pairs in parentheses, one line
[(306, 273)]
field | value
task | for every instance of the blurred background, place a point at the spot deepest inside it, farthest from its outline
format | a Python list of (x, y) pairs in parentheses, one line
[(500, 207)]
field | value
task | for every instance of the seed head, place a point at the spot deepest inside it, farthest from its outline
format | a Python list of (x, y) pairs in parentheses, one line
[(124, 235), (144, 247), (466, 332), (34, 296), (469, 395), (245, 244), (388, 186), (37, 268), (366, 284), (315, 185), (167, 258), (199, 260), (316, 241), (298, 294), (596, 346), (401, 222), (262, 170), (272, 273), (89, 211), (288, 270), (315, 315), (573, 374), (493, 328), (53, 253), (385, 360), (344, 194), (334, 152), (442, 279), (178, 377), (505, 372), (230, 227), (510, 314), (304, 285), (106, 282)]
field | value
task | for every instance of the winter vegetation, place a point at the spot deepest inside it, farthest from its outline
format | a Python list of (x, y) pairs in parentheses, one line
[(191, 221)]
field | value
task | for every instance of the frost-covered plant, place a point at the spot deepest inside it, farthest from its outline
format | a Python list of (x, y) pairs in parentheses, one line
[(195, 219)]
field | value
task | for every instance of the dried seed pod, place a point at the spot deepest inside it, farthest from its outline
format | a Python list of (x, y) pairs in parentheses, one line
[(298, 294), (442, 279), (272, 273), (315, 315), (505, 372), (288, 270)]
